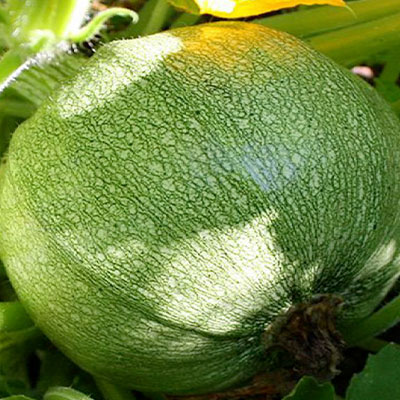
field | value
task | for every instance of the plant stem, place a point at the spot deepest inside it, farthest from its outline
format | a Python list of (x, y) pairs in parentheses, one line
[(155, 23), (113, 392), (37, 25), (380, 321), (69, 16), (52, 20), (152, 18), (323, 19), (369, 38), (95, 25)]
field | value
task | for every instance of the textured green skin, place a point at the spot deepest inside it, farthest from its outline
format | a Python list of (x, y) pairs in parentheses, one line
[(185, 189)]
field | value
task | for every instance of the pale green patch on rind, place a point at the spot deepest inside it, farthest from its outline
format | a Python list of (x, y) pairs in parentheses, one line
[(185, 189)]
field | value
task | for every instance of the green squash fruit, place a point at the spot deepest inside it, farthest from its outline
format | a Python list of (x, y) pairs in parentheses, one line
[(177, 196)]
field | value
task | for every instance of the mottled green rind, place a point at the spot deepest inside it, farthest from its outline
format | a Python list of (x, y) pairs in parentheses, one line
[(185, 189)]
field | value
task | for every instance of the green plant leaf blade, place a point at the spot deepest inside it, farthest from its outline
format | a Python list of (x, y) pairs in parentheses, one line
[(43, 74), (17, 397), (308, 388), (65, 393), (380, 378), (13, 317)]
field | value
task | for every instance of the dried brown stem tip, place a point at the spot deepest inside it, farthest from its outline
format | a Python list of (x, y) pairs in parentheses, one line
[(308, 333)]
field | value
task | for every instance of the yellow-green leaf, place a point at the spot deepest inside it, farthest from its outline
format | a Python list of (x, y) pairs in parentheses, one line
[(243, 8)]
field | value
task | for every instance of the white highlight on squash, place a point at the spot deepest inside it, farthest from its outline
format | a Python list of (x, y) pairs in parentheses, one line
[(387, 252), (269, 163), (242, 263), (381, 258), (156, 50)]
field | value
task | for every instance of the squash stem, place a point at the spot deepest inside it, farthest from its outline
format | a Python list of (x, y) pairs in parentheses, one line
[(307, 332), (152, 19), (113, 392), (379, 322)]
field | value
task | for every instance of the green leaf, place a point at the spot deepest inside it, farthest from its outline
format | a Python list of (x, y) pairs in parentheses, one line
[(7, 292), (380, 378), (308, 388), (368, 38), (55, 370), (185, 19), (155, 396), (44, 73), (386, 83), (65, 393), (16, 107), (3, 15), (396, 107), (7, 126), (189, 6), (309, 22), (13, 386), (153, 17), (18, 339), (17, 397), (10, 62), (2, 271), (370, 26), (378, 322), (111, 391), (13, 317)]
